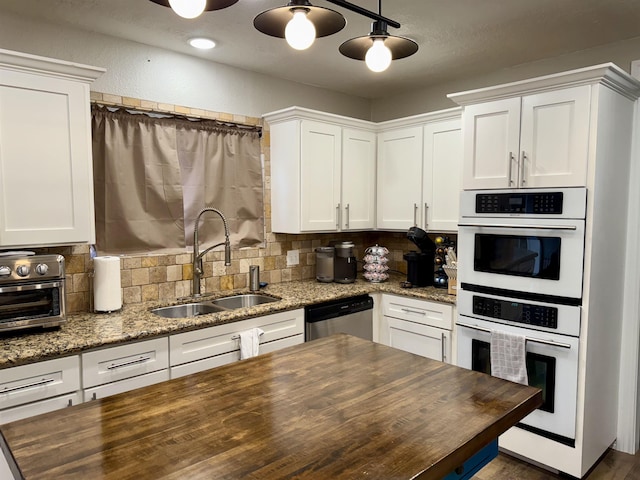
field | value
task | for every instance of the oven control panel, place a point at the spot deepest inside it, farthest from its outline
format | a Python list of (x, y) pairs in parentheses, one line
[(540, 203), (538, 315)]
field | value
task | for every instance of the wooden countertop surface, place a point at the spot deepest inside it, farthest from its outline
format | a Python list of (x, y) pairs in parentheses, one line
[(335, 408)]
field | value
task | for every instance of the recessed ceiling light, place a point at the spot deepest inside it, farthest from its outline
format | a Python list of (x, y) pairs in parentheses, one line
[(202, 43)]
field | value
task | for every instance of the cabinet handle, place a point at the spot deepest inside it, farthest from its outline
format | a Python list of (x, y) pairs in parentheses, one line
[(70, 404), (426, 209), (511, 159), (346, 209), (94, 396), (415, 214), (39, 383), (522, 174), (237, 337), (338, 217), (443, 340), (131, 362), (407, 310)]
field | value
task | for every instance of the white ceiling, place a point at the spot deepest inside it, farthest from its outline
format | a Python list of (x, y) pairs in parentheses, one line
[(456, 37)]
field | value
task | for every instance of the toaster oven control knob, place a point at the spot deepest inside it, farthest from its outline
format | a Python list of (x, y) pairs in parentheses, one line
[(4, 271), (22, 270), (42, 269)]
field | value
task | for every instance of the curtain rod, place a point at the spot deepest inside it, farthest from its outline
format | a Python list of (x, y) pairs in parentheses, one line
[(244, 126)]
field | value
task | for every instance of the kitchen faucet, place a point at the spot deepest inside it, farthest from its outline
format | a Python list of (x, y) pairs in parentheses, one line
[(197, 257)]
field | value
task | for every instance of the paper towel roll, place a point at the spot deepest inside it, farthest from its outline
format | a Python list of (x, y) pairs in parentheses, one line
[(107, 294)]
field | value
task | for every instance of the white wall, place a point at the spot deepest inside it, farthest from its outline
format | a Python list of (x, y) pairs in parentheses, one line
[(140, 71), (435, 97)]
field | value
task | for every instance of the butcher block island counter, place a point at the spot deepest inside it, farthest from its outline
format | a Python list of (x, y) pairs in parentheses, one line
[(335, 408)]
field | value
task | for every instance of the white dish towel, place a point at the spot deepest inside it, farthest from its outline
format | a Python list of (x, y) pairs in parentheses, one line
[(250, 342), (509, 356)]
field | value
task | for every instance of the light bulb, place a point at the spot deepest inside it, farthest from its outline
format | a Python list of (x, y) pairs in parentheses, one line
[(378, 57), (202, 43), (188, 8), (300, 32)]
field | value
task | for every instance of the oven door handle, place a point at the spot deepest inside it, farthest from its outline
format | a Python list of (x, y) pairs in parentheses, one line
[(532, 227), (528, 339), (30, 286)]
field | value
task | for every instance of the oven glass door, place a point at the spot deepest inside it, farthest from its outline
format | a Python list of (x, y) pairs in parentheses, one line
[(541, 371), (31, 301), (551, 366), (543, 256)]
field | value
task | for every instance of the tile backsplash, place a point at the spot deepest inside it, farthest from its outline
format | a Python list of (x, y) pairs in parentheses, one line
[(162, 277)]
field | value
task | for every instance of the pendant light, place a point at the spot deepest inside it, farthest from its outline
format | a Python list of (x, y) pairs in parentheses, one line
[(378, 48), (299, 22), (193, 8)]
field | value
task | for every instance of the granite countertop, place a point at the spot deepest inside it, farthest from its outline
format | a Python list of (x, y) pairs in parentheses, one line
[(87, 331)]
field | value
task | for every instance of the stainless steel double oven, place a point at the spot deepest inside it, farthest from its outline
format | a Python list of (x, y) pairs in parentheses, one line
[(521, 255)]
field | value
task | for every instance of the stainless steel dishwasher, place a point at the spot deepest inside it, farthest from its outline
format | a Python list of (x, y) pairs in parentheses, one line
[(353, 315)]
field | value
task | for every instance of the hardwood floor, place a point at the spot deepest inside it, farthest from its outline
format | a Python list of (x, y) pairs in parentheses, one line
[(613, 466)]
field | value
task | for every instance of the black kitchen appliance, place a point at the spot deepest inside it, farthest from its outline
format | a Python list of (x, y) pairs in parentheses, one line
[(420, 264), (345, 263)]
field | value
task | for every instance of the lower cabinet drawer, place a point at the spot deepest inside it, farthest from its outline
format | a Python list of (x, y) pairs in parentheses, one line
[(439, 315), (125, 385), (213, 341), (125, 361), (230, 357), (36, 408), (38, 381), (434, 343)]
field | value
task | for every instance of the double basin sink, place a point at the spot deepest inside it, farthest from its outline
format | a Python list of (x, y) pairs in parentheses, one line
[(232, 302)]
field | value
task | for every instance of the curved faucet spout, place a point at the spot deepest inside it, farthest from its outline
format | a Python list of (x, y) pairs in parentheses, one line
[(197, 257)]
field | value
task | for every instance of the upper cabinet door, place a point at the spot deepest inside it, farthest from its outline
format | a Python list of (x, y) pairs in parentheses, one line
[(442, 177), (399, 178), (491, 144), (320, 153), (46, 174), (555, 138), (358, 179)]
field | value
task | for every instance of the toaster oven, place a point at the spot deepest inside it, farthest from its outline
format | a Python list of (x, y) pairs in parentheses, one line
[(32, 291)]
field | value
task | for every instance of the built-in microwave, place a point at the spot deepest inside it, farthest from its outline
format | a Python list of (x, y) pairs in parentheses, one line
[(523, 241)]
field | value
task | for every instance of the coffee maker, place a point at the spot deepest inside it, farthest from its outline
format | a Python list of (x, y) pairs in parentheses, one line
[(344, 263), (420, 264)]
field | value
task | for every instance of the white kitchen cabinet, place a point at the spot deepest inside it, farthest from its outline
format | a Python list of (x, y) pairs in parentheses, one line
[(419, 172), (37, 388), (528, 141), (399, 193), (417, 326), (199, 350), (5, 470), (442, 175), (322, 172), (46, 172), (124, 367), (358, 180)]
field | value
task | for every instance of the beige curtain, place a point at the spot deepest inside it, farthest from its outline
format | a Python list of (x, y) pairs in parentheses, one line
[(153, 175)]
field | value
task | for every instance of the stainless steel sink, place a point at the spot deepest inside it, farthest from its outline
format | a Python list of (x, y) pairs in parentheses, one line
[(187, 310), (244, 300)]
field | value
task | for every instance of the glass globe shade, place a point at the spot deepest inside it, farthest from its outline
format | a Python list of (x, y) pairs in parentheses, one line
[(188, 8), (378, 57), (300, 33)]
